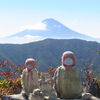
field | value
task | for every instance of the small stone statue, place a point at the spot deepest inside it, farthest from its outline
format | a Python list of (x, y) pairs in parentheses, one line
[(29, 77), (46, 85), (36, 95), (67, 80)]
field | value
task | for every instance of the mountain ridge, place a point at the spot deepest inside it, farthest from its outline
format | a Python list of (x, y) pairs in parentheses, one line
[(48, 52)]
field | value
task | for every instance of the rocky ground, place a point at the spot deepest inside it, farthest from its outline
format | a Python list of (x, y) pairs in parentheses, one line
[(85, 96)]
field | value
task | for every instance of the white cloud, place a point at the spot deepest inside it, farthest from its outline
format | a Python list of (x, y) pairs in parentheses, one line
[(21, 40), (38, 26), (31, 37)]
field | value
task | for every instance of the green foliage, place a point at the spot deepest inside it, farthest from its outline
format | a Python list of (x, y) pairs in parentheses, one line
[(95, 88), (4, 84), (98, 81), (13, 86), (92, 83)]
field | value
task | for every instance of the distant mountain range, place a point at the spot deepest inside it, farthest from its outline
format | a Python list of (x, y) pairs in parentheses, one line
[(48, 52), (53, 29)]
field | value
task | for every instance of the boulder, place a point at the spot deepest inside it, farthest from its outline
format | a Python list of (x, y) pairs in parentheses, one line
[(39, 95), (13, 97)]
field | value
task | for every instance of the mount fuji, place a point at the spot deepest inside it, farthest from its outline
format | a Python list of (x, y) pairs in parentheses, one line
[(51, 29)]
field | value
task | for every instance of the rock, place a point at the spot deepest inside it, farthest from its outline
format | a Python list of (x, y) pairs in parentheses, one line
[(94, 98), (88, 96), (13, 97), (36, 95), (39, 95)]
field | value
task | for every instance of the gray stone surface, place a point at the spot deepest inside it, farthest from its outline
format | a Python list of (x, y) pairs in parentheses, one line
[(13, 97), (20, 97)]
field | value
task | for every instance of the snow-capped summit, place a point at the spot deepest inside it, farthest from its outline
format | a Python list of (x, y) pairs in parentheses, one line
[(52, 24), (51, 21)]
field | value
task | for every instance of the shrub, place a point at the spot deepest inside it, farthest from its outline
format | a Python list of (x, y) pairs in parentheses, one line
[(4, 84)]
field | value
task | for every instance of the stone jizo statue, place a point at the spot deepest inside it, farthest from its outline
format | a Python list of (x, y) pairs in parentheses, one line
[(29, 77), (67, 80)]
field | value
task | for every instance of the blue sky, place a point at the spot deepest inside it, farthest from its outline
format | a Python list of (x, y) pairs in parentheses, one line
[(80, 15)]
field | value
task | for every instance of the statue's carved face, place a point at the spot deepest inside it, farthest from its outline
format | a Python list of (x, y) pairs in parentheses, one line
[(30, 65), (68, 61)]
